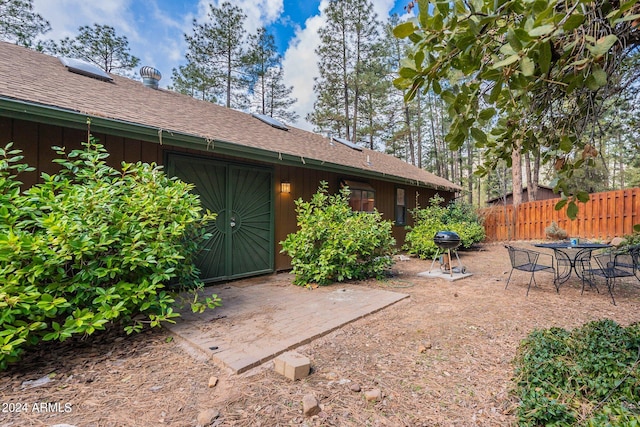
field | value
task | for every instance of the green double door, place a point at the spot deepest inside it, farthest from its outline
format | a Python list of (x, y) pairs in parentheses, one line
[(242, 241)]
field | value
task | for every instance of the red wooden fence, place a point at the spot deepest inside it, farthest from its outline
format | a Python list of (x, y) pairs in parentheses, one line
[(604, 216)]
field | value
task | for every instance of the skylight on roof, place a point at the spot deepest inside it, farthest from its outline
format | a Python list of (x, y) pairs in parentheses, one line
[(347, 143), (80, 67), (270, 121)]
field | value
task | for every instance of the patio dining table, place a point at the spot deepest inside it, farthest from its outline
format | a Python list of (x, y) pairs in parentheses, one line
[(571, 258)]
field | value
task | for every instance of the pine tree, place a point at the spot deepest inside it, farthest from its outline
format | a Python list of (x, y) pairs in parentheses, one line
[(194, 81), (347, 46), (217, 48), (19, 24), (260, 58), (274, 97), (98, 45)]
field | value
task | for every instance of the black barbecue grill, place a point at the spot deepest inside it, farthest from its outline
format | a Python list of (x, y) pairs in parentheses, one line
[(447, 241)]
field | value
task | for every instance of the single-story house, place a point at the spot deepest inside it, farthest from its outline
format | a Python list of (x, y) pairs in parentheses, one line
[(543, 193), (248, 169)]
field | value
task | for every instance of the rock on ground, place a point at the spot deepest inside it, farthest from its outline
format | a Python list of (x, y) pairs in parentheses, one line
[(310, 405), (208, 416)]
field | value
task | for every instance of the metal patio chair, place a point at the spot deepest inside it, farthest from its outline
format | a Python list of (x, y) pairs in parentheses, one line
[(576, 259), (582, 266), (528, 261), (612, 266)]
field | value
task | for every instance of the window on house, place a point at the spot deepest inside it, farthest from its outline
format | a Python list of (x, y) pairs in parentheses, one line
[(401, 206), (363, 196)]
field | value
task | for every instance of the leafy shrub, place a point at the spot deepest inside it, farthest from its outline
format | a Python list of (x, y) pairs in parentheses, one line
[(91, 246), (588, 377), (335, 243), (554, 232), (459, 217), (631, 239)]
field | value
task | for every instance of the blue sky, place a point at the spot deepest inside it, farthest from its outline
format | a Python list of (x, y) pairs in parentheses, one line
[(155, 30)]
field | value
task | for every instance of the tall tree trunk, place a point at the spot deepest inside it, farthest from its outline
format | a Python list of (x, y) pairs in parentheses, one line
[(535, 177), (516, 173), (455, 159), (470, 170), (436, 151), (371, 132), (263, 95), (516, 185), (527, 168), (229, 79), (356, 92), (345, 85), (419, 130), (407, 121)]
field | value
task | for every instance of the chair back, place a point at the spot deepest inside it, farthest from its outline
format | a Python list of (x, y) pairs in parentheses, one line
[(614, 265), (521, 257), (582, 261)]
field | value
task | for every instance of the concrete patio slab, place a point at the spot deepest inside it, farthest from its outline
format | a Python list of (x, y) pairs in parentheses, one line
[(439, 274), (263, 317)]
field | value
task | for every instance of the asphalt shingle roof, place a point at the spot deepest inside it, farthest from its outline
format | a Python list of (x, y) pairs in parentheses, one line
[(40, 79)]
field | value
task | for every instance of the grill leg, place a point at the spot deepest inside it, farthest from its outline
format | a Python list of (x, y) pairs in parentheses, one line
[(455, 251), (434, 260)]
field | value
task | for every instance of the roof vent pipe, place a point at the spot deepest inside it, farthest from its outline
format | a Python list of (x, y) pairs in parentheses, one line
[(150, 76)]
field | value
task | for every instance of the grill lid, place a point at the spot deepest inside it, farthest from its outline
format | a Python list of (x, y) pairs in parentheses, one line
[(446, 239), (446, 235)]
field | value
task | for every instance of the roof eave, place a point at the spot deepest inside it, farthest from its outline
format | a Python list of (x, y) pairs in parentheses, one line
[(14, 108)]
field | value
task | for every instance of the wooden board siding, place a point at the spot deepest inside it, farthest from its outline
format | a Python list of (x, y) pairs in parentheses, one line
[(36, 141)]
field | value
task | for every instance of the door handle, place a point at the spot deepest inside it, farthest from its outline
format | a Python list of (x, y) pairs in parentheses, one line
[(233, 222)]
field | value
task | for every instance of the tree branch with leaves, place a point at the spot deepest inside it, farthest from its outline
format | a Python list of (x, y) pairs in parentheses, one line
[(523, 76)]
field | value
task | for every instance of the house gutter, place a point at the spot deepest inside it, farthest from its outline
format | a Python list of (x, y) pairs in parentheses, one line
[(47, 114)]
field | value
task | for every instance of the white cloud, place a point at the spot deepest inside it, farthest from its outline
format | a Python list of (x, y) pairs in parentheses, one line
[(382, 8), (300, 67), (66, 16), (259, 12), (156, 37)]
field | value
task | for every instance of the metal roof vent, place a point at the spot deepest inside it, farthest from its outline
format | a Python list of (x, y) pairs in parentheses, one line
[(150, 76)]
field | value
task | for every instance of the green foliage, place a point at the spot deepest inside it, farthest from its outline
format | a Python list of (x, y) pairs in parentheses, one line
[(554, 232), (335, 243), (634, 238), (98, 45), (460, 217), (216, 56), (528, 76), (92, 246), (587, 377), (349, 52), (19, 23)]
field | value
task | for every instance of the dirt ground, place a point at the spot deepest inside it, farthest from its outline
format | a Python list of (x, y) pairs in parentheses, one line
[(442, 357)]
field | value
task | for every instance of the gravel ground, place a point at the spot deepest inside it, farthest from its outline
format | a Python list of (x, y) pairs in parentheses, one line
[(442, 357)]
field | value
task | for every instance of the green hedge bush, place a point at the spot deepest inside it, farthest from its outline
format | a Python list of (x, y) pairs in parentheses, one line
[(92, 246), (587, 377), (335, 243), (459, 217)]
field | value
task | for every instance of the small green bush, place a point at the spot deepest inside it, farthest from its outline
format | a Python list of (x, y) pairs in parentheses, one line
[(554, 232), (587, 377), (631, 239), (335, 243), (92, 246), (458, 217)]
